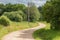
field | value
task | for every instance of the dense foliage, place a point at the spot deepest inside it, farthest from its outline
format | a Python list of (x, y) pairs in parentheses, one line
[(34, 14), (11, 7), (4, 21), (51, 13), (20, 12), (13, 16)]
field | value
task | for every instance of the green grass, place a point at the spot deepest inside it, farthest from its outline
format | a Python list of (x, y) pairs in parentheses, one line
[(46, 34), (15, 26)]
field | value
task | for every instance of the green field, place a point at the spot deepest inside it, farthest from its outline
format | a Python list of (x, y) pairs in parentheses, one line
[(46, 34), (16, 26)]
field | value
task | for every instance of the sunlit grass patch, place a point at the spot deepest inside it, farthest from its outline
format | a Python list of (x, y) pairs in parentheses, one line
[(14, 26), (46, 34)]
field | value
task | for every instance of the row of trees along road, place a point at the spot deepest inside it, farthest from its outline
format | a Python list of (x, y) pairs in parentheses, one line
[(19, 12), (11, 7), (51, 13)]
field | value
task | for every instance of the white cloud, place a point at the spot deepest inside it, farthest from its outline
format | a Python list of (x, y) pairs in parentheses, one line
[(37, 2)]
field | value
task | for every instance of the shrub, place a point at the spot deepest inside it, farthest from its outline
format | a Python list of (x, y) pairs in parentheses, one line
[(13, 16), (4, 21), (22, 14)]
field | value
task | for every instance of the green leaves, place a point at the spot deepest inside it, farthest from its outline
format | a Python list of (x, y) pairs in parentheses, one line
[(14, 16), (51, 13), (34, 13), (4, 21)]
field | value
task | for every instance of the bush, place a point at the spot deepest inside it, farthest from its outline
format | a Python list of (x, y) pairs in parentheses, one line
[(13, 16), (22, 14), (4, 21)]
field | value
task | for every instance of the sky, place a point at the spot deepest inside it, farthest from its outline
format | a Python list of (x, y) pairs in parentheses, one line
[(37, 2)]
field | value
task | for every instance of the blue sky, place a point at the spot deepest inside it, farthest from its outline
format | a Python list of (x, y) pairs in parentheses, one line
[(37, 2)]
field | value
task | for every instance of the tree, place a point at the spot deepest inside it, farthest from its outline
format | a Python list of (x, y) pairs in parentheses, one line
[(40, 8), (51, 13), (14, 7), (1, 9), (34, 14)]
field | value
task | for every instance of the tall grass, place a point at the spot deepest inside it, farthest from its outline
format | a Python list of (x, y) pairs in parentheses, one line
[(15, 26), (46, 34)]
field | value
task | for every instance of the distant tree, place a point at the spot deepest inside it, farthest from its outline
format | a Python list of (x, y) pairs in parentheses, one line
[(1, 9), (19, 6), (14, 7), (8, 7), (40, 8), (33, 12)]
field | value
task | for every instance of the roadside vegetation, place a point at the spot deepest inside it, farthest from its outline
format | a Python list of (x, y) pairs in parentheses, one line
[(50, 14), (46, 33), (14, 26), (14, 17)]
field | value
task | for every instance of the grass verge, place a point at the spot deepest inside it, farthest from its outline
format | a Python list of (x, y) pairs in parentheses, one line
[(46, 34), (15, 26)]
